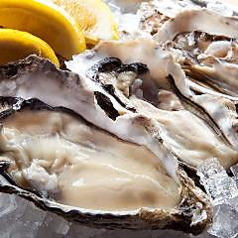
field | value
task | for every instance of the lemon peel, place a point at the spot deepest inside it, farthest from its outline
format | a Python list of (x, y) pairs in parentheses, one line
[(46, 21), (94, 17), (15, 45)]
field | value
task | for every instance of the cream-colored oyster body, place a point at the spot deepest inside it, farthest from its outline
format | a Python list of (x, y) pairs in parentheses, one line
[(82, 166)]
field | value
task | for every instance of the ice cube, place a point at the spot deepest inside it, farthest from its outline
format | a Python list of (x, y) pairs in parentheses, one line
[(225, 222), (221, 190), (129, 23), (125, 5), (84, 231), (8, 207), (114, 8), (218, 185), (54, 225), (234, 170), (209, 169), (23, 229), (7, 204), (27, 221), (62, 227)]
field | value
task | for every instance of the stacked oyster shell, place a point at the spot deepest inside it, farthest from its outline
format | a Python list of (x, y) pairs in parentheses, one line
[(116, 139)]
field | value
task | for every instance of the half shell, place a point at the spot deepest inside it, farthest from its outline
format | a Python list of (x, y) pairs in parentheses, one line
[(191, 213)]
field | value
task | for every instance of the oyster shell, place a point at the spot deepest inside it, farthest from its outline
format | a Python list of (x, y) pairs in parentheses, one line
[(207, 52), (210, 63), (206, 48), (50, 154), (85, 97), (78, 164), (218, 25), (206, 45), (191, 148), (154, 14)]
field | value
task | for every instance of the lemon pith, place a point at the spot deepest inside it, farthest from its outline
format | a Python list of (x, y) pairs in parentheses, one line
[(46, 21), (15, 45), (94, 17)]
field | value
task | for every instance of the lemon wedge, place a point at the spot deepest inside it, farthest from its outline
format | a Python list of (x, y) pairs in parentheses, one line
[(46, 21), (94, 17), (15, 45)]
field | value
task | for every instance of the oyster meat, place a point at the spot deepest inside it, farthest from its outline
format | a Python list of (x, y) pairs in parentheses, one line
[(81, 165)]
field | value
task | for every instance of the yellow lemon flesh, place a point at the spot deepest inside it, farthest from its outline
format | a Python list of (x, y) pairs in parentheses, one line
[(15, 45), (94, 17), (46, 21)]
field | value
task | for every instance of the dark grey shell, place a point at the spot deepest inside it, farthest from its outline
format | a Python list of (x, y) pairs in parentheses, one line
[(192, 215)]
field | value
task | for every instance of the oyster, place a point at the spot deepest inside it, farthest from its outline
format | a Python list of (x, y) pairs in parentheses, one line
[(190, 148), (154, 14), (49, 154), (210, 63), (207, 52), (206, 46), (218, 25), (208, 56), (78, 164), (87, 98)]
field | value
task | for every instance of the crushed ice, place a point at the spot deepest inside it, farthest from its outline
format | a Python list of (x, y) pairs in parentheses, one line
[(127, 18), (21, 219), (223, 193)]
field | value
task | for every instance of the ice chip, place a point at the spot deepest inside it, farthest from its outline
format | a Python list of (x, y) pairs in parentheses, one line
[(23, 229), (62, 227), (221, 190), (7, 204), (218, 185), (55, 225), (209, 169), (124, 5), (225, 222), (234, 170), (86, 232), (129, 23)]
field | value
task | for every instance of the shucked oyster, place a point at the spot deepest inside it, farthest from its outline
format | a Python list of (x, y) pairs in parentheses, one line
[(206, 47), (209, 136), (154, 13), (81, 165), (202, 38), (77, 169)]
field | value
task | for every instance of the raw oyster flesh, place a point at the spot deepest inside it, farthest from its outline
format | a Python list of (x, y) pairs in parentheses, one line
[(88, 156), (74, 162)]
